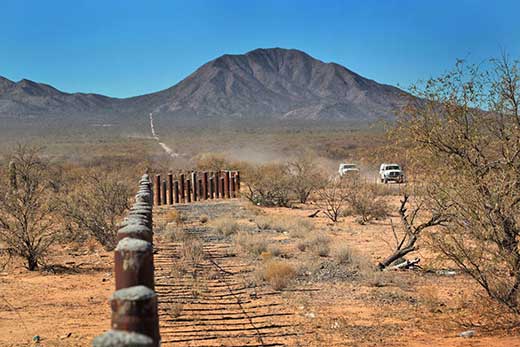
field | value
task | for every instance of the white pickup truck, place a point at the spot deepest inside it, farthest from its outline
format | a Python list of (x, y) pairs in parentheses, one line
[(348, 169), (391, 172)]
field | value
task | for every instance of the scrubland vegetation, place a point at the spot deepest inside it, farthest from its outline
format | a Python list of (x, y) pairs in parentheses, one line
[(459, 210)]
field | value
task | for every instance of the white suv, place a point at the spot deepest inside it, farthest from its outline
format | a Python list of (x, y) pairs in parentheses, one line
[(348, 169), (391, 172)]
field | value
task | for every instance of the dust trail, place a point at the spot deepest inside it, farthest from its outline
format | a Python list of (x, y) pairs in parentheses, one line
[(167, 149)]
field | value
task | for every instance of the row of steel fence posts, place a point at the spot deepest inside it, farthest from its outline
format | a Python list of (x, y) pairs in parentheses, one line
[(135, 320), (195, 187)]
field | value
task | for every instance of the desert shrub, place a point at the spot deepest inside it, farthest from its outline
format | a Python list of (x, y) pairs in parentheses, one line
[(305, 175), (465, 136), (271, 223), (192, 250), (97, 205), (225, 226), (263, 222), (319, 244), (332, 198), (275, 251), (278, 274), (344, 255), (365, 202), (268, 185), (299, 228), (212, 162), (252, 244), (28, 206)]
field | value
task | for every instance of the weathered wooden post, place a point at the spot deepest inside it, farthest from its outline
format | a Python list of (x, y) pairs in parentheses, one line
[(211, 187), (194, 183), (227, 184), (205, 185), (133, 263), (134, 309), (169, 197), (176, 191), (182, 188), (188, 191), (163, 192), (157, 190)]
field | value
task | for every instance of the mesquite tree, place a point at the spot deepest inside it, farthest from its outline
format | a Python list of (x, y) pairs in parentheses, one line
[(464, 132), (97, 205), (28, 206)]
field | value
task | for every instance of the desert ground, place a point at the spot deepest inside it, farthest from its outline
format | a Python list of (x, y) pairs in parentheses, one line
[(331, 296)]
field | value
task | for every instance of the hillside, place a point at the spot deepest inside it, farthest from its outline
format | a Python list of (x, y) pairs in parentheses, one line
[(264, 84)]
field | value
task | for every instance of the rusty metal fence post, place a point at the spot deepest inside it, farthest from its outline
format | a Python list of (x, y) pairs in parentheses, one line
[(182, 186), (135, 320), (211, 187), (188, 192), (205, 185), (227, 185), (163, 193), (176, 191), (169, 183), (157, 190), (194, 185), (217, 183)]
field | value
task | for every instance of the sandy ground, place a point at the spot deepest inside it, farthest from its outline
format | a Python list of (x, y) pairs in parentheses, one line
[(66, 308), (407, 308)]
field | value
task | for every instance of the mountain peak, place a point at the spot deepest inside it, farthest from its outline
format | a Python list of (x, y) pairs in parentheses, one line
[(262, 84), (277, 83)]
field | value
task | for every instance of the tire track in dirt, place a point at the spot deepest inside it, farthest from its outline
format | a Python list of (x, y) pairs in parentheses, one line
[(213, 303)]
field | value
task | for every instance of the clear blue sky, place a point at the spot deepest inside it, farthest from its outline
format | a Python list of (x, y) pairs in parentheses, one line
[(125, 47)]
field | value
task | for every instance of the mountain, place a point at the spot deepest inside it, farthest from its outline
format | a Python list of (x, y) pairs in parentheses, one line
[(29, 99), (277, 83), (264, 84)]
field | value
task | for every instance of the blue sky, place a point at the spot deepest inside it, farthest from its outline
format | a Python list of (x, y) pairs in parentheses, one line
[(125, 48)]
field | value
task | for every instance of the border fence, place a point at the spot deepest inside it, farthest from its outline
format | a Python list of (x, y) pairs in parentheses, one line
[(135, 320), (195, 186)]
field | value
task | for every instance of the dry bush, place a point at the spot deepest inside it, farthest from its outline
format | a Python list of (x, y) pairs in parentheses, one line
[(192, 250), (175, 234), (252, 244), (305, 175), (28, 206), (278, 274), (173, 309), (268, 185), (465, 136), (225, 226), (275, 251), (299, 228), (319, 244), (97, 205), (344, 256), (365, 202), (212, 162), (332, 198), (265, 223)]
